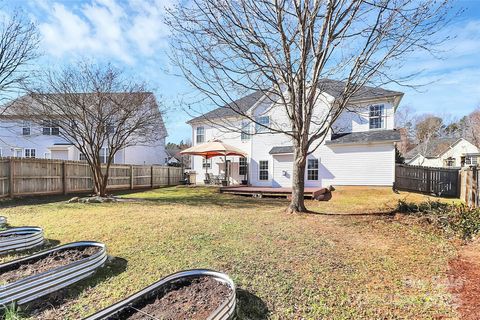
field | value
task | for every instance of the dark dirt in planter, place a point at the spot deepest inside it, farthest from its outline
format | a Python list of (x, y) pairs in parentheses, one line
[(6, 236), (192, 299), (53, 260)]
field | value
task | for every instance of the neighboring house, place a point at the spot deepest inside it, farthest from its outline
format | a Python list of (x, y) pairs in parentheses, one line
[(20, 138), (359, 151), (443, 152)]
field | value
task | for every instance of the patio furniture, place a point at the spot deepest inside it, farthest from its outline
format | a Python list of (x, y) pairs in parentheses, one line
[(209, 178), (212, 149)]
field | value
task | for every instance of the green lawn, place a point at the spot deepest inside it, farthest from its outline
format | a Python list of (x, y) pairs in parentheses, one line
[(332, 265)]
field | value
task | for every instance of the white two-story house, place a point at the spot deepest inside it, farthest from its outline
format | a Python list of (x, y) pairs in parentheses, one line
[(359, 150), (24, 139)]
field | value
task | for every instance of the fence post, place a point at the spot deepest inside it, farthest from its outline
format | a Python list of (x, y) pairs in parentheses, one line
[(11, 185), (168, 176), (151, 177), (131, 177), (64, 177)]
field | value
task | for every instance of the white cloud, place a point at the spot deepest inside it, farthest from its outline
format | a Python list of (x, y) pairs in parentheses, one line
[(126, 31)]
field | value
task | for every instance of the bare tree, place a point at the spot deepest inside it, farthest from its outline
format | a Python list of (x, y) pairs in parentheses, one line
[(97, 109), (285, 49), (427, 128), (19, 42), (472, 127)]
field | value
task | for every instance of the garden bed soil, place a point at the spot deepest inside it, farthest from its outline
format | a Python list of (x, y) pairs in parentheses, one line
[(464, 277), (53, 260), (192, 299), (7, 236)]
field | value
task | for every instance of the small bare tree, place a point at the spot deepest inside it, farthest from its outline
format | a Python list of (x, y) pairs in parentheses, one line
[(285, 49), (95, 108), (19, 42)]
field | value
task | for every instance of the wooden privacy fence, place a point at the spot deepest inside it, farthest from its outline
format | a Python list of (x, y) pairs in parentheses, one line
[(470, 191), (430, 180), (24, 177)]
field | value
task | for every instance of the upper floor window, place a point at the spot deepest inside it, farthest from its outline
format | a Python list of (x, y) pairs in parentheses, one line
[(200, 134), (262, 123), (26, 128), (50, 128), (245, 135), (312, 169), (29, 153), (377, 116), (110, 128)]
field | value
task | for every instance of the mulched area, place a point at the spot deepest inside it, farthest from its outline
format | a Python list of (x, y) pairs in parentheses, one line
[(464, 279), (53, 260), (194, 299)]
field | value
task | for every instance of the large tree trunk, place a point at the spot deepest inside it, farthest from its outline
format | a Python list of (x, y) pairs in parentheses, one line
[(297, 203)]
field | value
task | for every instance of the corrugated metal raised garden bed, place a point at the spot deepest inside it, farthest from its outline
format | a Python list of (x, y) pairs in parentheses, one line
[(26, 279), (22, 238), (191, 294)]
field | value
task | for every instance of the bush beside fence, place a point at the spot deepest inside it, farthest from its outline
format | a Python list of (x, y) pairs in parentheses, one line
[(25, 177)]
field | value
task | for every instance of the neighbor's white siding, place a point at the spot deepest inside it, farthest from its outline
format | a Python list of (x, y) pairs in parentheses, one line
[(11, 139), (456, 152)]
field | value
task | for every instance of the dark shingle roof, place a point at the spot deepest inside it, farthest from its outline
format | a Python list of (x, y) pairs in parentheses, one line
[(281, 150), (432, 149), (332, 87), (335, 89), (363, 137), (239, 106)]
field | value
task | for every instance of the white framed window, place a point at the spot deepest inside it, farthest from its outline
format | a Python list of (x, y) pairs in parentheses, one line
[(242, 166), (262, 122), (26, 128), (245, 134), (263, 170), (471, 160), (449, 162), (206, 163), (377, 116), (110, 128), (17, 152), (200, 134), (104, 155), (312, 169), (50, 128), (29, 153)]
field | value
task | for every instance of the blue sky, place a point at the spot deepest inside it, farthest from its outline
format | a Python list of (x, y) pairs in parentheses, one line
[(131, 34)]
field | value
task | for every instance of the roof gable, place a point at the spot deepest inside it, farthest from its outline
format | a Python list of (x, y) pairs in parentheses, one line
[(333, 88), (434, 148)]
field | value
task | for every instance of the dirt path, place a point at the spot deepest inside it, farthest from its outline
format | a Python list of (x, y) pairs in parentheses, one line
[(465, 281)]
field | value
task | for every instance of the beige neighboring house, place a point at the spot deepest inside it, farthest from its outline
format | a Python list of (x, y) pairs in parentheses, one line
[(444, 152)]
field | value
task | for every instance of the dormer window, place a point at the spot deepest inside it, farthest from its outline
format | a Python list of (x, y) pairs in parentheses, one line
[(262, 123), (377, 117)]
